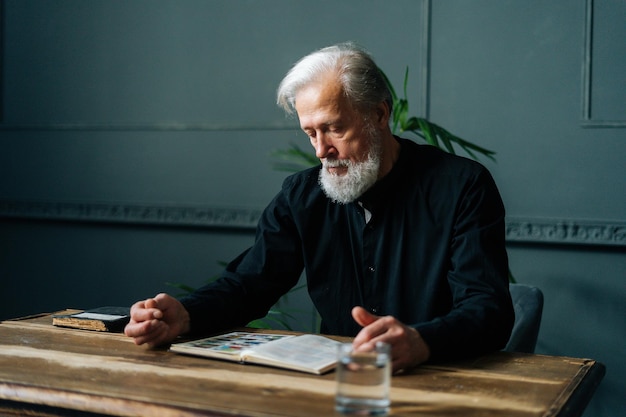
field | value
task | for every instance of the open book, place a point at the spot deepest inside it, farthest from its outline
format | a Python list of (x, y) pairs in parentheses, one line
[(306, 353)]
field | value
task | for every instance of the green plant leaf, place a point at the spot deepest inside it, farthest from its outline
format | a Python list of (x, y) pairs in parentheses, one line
[(428, 132), (431, 133), (272, 318), (445, 138), (406, 81), (412, 125), (394, 96), (294, 159), (401, 111), (186, 289)]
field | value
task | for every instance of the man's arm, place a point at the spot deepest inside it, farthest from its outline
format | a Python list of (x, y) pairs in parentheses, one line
[(481, 315)]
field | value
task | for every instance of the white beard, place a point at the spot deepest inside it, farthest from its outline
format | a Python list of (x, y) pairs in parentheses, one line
[(359, 177)]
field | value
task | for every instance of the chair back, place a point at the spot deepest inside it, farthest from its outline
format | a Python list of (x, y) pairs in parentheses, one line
[(528, 306)]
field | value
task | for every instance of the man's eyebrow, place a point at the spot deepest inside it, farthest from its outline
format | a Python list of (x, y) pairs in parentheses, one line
[(336, 122), (324, 124)]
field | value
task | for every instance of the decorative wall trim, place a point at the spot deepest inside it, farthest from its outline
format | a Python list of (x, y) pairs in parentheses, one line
[(128, 213), (523, 230), (423, 67), (587, 73), (566, 231), (289, 124)]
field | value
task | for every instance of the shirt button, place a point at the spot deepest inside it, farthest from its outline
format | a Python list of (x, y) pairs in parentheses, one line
[(374, 310), (372, 269)]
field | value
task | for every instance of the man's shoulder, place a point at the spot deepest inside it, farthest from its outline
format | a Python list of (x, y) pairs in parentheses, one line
[(427, 158), (305, 178), (302, 187)]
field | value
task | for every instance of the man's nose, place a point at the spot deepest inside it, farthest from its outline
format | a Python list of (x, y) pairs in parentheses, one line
[(323, 147)]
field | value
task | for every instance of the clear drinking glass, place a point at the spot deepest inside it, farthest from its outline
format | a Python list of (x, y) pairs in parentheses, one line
[(363, 380)]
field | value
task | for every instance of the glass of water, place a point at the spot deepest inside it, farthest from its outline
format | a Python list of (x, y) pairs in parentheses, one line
[(363, 380)]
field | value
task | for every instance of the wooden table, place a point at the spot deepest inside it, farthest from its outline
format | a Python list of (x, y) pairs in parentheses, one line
[(50, 371)]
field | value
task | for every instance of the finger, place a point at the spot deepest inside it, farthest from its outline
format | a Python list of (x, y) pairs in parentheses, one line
[(137, 306), (135, 328), (147, 332), (160, 298), (138, 311), (159, 336), (397, 366), (150, 303), (155, 339), (162, 302), (369, 335), (372, 327), (363, 317), (141, 314), (147, 310), (366, 340)]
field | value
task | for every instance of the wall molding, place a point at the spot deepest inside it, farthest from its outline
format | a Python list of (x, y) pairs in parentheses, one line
[(423, 67), (565, 231), (288, 124), (587, 75), (132, 214), (522, 230)]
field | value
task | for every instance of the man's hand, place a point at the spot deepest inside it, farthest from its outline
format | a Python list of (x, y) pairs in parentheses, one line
[(157, 321), (408, 349)]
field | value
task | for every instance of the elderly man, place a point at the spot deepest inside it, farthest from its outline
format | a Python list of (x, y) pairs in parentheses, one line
[(400, 242)]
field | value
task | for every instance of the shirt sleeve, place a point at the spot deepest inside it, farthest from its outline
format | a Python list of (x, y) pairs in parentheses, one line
[(254, 281), (481, 317)]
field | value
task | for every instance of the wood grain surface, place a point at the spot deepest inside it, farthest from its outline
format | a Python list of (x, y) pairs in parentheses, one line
[(54, 370)]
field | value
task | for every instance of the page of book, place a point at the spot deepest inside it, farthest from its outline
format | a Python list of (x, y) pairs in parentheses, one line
[(307, 353), (231, 344), (310, 351)]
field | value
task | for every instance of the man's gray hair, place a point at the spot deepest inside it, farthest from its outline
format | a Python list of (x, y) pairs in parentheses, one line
[(360, 77)]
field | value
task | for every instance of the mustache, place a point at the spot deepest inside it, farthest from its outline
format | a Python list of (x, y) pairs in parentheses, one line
[(336, 163)]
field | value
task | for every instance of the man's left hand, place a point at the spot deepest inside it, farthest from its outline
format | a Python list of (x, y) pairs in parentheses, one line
[(408, 349)]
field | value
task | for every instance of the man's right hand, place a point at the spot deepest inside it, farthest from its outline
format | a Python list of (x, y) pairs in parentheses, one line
[(157, 321)]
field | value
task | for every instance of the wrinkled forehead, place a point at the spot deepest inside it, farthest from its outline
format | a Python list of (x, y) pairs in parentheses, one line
[(324, 103)]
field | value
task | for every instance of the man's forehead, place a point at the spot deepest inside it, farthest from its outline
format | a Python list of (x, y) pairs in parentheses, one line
[(319, 97)]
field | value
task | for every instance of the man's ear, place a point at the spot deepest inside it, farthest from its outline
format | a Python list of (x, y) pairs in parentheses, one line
[(382, 113)]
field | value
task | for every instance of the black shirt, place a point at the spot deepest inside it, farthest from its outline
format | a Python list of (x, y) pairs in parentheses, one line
[(425, 244)]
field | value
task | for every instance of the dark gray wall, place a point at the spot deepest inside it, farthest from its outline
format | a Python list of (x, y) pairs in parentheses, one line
[(135, 142), (158, 115), (511, 74)]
